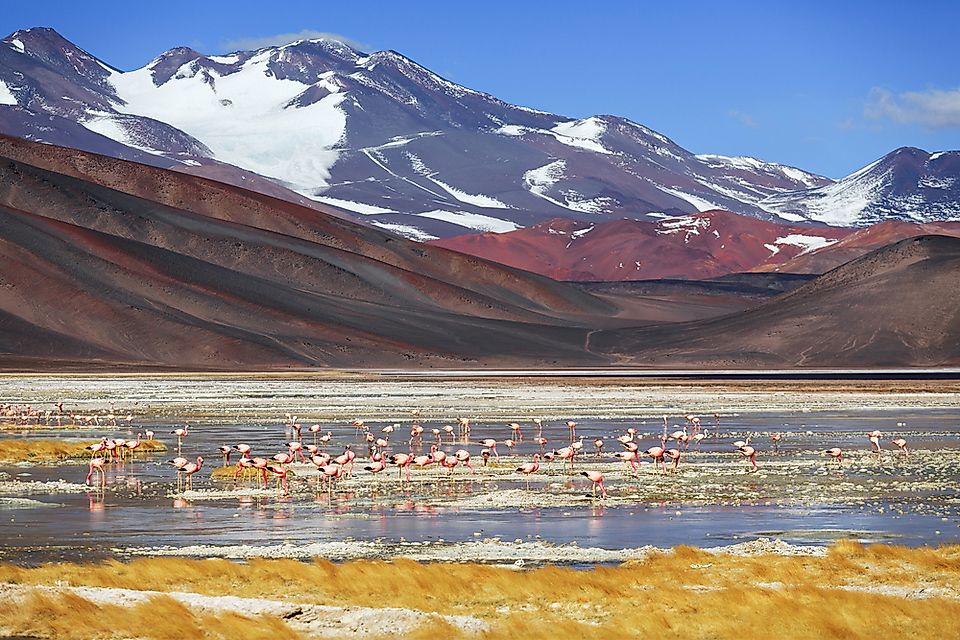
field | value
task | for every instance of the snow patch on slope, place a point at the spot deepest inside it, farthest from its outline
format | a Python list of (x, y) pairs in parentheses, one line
[(806, 243), (404, 230), (17, 45), (477, 200), (350, 205), (838, 204), (247, 118), (475, 221), (700, 203), (6, 96)]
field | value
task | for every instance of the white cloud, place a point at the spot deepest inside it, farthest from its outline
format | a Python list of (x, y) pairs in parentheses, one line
[(258, 42), (935, 108), (743, 118)]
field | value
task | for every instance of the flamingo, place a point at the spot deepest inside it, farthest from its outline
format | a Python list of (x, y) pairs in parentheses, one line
[(325, 439), (629, 457), (464, 457), (346, 458), (261, 464), (320, 459), (539, 423), (296, 449), (331, 473), (282, 458), (515, 430), (225, 451), (836, 454), (416, 433), (281, 475), (540, 440), (402, 460), (375, 467), (449, 431), (491, 444), (96, 447), (181, 433), (874, 440), (674, 455), (902, 444), (450, 462), (776, 438), (191, 468), (529, 468), (464, 426), (750, 454), (132, 445), (244, 449), (96, 465), (698, 438), (314, 429), (657, 454), (572, 426), (597, 479), (567, 453), (149, 434), (509, 444)]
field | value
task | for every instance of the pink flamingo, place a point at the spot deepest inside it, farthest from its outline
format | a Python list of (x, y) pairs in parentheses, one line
[(450, 463), (96, 447), (657, 453), (191, 468), (149, 434), (542, 442), (283, 458), (181, 433), (775, 439), (281, 475), (464, 457), (509, 444), (296, 449), (491, 444), (674, 455), (133, 445), (750, 454), (225, 451), (314, 429), (874, 440), (96, 465), (539, 423), (449, 431), (902, 444), (698, 438), (630, 458), (515, 430), (567, 453), (402, 460), (530, 467), (597, 479), (572, 426), (836, 454)]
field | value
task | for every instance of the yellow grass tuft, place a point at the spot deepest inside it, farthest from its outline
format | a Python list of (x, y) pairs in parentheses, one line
[(854, 591), (44, 450), (67, 616), (226, 473)]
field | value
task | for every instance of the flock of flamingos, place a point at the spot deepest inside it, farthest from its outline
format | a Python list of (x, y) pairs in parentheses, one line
[(378, 458)]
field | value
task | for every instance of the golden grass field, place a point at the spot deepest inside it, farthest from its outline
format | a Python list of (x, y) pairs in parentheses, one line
[(43, 450), (853, 592)]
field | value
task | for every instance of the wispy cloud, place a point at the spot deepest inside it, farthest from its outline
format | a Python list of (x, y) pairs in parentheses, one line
[(935, 108), (258, 42), (743, 118)]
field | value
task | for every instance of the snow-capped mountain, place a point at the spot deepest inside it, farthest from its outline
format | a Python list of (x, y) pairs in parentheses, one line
[(908, 184), (376, 135)]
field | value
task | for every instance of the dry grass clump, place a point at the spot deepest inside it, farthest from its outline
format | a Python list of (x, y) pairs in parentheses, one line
[(44, 450), (67, 616), (226, 473), (852, 592)]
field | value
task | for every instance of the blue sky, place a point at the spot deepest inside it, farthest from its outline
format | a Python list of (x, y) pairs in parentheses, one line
[(826, 86)]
